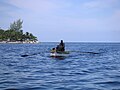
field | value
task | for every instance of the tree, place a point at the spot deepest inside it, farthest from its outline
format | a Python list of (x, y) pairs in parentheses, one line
[(27, 33), (33, 38), (1, 34), (16, 25), (15, 33)]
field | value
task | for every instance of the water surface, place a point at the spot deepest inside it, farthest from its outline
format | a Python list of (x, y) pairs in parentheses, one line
[(89, 66)]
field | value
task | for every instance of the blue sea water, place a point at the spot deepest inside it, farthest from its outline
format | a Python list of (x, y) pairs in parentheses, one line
[(89, 66)]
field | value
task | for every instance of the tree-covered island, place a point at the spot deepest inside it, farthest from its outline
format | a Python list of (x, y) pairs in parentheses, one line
[(15, 34)]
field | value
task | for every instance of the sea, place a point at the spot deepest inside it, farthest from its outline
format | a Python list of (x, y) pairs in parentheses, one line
[(89, 66)]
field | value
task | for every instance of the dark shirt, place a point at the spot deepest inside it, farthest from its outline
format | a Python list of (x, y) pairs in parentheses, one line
[(60, 47)]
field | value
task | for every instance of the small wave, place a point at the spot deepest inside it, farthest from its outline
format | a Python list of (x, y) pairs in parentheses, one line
[(24, 55), (91, 52), (8, 82), (12, 89), (111, 83)]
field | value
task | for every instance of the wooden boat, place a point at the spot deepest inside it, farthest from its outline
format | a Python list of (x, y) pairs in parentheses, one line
[(59, 54)]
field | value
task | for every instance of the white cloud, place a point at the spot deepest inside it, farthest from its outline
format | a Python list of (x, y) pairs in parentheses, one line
[(34, 5), (100, 4)]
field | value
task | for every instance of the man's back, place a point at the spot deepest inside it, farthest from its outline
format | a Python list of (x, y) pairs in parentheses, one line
[(61, 46)]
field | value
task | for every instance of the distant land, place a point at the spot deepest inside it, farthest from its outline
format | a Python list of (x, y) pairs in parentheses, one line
[(15, 34)]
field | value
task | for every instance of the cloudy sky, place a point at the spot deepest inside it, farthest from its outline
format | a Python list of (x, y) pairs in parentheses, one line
[(70, 20)]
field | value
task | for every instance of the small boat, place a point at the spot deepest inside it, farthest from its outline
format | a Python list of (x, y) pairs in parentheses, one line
[(59, 54), (59, 51)]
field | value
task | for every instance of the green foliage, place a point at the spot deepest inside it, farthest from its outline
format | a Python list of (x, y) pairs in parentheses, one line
[(15, 33), (16, 25)]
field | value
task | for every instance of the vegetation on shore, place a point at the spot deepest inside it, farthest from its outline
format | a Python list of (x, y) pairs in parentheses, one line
[(15, 33)]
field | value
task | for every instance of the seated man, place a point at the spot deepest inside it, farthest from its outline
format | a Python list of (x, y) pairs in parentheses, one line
[(53, 50), (60, 47)]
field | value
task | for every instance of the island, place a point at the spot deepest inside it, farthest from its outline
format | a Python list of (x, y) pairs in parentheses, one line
[(15, 34)]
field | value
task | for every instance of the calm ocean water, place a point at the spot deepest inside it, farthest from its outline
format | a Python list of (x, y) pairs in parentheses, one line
[(89, 66)]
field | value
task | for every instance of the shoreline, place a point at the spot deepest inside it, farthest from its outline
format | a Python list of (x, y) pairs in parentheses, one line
[(19, 42)]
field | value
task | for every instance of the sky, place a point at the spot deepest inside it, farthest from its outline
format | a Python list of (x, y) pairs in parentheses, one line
[(69, 20)]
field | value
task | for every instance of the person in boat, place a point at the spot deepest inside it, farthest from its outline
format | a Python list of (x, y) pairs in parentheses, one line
[(60, 47), (53, 50)]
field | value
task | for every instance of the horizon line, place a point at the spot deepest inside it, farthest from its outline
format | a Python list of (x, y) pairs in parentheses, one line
[(86, 41)]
